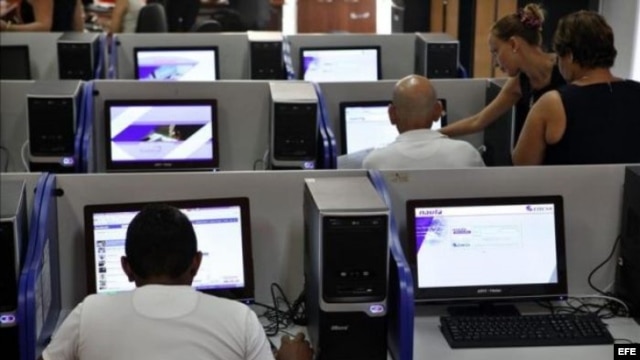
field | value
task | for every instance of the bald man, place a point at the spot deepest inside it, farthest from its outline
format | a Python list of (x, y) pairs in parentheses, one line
[(414, 108)]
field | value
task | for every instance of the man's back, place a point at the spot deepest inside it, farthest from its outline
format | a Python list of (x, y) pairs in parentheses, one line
[(424, 149), (161, 322)]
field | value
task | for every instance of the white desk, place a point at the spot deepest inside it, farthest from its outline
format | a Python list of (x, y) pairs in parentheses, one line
[(429, 343)]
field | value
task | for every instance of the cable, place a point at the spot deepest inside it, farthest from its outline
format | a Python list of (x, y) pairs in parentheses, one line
[(613, 250), (283, 313), (25, 163)]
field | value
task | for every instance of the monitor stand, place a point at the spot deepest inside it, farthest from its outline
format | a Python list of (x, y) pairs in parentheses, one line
[(483, 309)]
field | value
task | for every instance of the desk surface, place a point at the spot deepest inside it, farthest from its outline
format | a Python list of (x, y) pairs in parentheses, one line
[(428, 342)]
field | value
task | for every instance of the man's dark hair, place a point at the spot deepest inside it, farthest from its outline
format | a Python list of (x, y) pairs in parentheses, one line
[(588, 37), (160, 242)]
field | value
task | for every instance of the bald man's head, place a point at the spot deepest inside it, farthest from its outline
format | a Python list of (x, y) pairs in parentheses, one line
[(415, 104)]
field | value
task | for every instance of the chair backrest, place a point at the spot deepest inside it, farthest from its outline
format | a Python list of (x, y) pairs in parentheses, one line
[(207, 26), (181, 14), (152, 18), (230, 19)]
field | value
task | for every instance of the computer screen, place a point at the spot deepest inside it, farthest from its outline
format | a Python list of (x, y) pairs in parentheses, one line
[(176, 63), (365, 125), (340, 64), (223, 232), (14, 62), (481, 249), (161, 135)]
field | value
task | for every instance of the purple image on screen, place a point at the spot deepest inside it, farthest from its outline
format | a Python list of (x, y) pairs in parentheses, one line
[(307, 61), (423, 225), (154, 133)]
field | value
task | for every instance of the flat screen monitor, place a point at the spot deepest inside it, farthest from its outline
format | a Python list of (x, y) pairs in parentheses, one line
[(365, 125), (14, 62), (161, 135), (356, 63), (176, 63), (223, 232), (487, 249)]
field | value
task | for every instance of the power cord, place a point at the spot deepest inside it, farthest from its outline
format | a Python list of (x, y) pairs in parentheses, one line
[(283, 313), (589, 278), (23, 157)]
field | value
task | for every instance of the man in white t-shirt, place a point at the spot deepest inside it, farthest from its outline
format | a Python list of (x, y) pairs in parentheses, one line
[(414, 108), (164, 317)]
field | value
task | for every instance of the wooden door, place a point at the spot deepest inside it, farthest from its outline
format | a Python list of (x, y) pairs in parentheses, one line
[(337, 16)]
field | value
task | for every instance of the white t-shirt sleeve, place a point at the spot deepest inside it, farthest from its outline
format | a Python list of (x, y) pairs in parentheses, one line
[(64, 343), (257, 345)]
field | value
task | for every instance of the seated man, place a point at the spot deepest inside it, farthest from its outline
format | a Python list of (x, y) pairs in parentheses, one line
[(164, 317), (413, 110)]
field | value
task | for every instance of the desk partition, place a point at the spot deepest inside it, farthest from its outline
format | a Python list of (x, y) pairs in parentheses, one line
[(43, 51), (13, 122), (233, 51)]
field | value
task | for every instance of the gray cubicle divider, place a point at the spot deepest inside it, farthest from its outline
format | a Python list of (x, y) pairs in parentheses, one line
[(31, 180), (233, 51), (243, 109), (13, 123), (397, 50), (276, 217), (465, 97), (43, 51), (592, 205)]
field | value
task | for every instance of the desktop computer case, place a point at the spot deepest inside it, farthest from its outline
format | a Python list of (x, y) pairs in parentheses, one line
[(346, 260), (13, 244), (628, 266)]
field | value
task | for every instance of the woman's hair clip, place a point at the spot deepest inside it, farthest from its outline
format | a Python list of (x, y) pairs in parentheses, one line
[(529, 21)]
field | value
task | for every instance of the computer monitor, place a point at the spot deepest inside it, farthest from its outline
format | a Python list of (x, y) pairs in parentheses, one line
[(354, 63), (223, 232), (176, 63), (161, 135), (14, 62), (365, 125), (486, 250)]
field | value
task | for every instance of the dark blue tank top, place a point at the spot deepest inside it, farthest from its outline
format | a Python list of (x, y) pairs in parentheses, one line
[(63, 11), (530, 96), (603, 125)]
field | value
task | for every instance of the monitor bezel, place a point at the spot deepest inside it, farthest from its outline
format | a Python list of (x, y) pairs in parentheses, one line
[(139, 49), (377, 48), (244, 294), (508, 293), (162, 165), (343, 117), (26, 59)]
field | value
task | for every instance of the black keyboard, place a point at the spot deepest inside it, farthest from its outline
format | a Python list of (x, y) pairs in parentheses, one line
[(524, 330)]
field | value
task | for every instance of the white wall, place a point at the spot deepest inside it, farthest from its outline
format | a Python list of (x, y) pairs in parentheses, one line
[(624, 18)]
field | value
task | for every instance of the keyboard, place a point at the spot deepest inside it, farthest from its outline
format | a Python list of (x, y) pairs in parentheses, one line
[(524, 330)]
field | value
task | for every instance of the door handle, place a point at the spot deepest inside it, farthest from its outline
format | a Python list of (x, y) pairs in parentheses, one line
[(359, 16)]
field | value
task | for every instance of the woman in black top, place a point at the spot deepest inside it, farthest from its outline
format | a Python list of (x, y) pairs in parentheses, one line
[(516, 45), (48, 15), (593, 120)]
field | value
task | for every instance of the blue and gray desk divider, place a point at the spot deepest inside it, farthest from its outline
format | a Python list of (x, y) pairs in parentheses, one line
[(113, 57), (39, 283), (326, 134), (85, 128), (99, 72), (401, 299)]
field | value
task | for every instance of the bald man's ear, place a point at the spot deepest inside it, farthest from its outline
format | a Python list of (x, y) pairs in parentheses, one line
[(391, 110), (436, 112)]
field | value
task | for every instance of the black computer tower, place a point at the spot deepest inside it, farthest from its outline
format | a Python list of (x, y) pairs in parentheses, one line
[(499, 137), (13, 246), (266, 56), (437, 55), (346, 256), (293, 125), (78, 55), (628, 266), (53, 108)]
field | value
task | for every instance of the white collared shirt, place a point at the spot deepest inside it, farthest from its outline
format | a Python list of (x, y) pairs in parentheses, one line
[(423, 149)]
